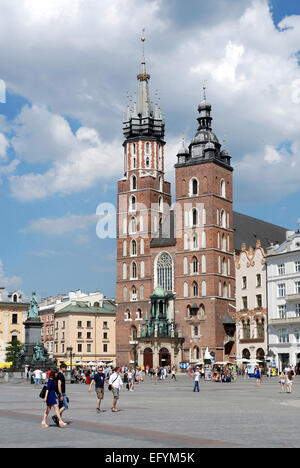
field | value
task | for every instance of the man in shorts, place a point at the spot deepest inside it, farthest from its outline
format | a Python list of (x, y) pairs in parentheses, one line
[(116, 384), (99, 381)]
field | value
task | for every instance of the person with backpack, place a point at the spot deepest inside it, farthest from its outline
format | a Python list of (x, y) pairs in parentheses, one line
[(289, 381), (51, 402), (115, 384)]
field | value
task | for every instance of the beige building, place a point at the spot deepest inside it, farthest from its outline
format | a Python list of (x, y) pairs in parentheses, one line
[(251, 303), (13, 313), (89, 330)]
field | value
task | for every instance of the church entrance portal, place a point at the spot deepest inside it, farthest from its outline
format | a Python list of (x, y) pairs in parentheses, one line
[(164, 357), (148, 358)]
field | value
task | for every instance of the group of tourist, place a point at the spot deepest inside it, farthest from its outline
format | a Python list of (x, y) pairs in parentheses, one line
[(55, 392)]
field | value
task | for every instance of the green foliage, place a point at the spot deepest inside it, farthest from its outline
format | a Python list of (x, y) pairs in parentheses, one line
[(13, 350)]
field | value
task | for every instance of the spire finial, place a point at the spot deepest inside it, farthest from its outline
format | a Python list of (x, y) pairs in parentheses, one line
[(143, 39), (204, 89)]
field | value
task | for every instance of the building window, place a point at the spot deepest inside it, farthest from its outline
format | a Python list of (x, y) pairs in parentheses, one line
[(89, 324), (297, 287), (281, 269), (105, 326), (105, 348), (105, 336), (79, 324), (245, 302), (283, 336), (259, 301), (297, 336), (203, 288), (133, 294), (260, 329), (165, 271), (195, 289), (195, 265), (133, 182), (125, 294), (194, 187), (297, 310), (79, 336), (14, 319), (297, 267), (132, 204), (133, 270), (258, 281), (89, 336), (196, 332), (281, 290), (142, 293), (244, 282), (246, 330), (223, 188), (195, 217), (195, 242), (282, 311)]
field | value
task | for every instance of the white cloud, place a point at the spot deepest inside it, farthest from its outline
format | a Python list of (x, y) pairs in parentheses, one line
[(57, 226), (8, 282), (79, 58), (77, 161), (4, 144)]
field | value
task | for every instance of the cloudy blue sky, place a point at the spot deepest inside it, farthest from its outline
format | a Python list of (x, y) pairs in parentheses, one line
[(68, 65)]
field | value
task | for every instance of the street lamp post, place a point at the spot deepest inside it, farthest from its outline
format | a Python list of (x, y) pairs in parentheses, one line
[(70, 350)]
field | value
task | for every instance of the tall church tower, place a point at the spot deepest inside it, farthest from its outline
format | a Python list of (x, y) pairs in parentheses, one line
[(205, 275), (143, 196)]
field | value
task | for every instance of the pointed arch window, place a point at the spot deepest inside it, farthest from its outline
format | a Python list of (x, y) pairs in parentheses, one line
[(133, 225), (133, 182), (164, 270), (195, 265), (195, 218), (203, 288), (194, 187), (223, 188), (195, 289), (134, 270), (195, 242), (147, 148), (133, 203), (133, 247)]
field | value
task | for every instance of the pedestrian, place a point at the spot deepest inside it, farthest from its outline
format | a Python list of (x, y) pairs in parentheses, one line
[(196, 379), (115, 384), (51, 402), (61, 392), (258, 376), (99, 381), (289, 382), (282, 381), (130, 380), (37, 375), (44, 378), (173, 373)]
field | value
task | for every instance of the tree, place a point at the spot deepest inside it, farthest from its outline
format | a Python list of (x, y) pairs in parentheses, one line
[(13, 350)]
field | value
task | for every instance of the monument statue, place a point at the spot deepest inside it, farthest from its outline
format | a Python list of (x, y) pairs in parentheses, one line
[(38, 354), (34, 308)]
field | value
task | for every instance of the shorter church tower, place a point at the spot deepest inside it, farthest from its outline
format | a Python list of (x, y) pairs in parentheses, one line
[(205, 282)]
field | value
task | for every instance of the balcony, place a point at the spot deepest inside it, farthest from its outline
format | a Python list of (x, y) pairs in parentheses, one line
[(293, 297), (252, 340), (285, 321)]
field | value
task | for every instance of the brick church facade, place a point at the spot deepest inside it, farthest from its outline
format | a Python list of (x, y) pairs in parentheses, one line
[(175, 264)]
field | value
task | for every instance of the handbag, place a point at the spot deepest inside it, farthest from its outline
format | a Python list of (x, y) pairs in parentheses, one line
[(43, 392), (110, 386)]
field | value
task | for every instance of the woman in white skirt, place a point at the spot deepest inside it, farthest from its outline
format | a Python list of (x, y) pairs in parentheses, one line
[(289, 382)]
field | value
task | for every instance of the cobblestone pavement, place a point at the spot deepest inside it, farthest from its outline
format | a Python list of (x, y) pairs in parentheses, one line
[(158, 415)]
